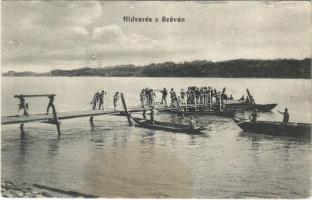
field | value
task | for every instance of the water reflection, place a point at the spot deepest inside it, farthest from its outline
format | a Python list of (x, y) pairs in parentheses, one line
[(192, 140), (265, 137), (53, 147), (23, 135), (124, 138), (148, 137), (91, 123), (137, 162), (24, 145), (98, 137)]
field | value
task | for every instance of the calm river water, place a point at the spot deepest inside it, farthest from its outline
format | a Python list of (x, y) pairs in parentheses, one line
[(115, 160)]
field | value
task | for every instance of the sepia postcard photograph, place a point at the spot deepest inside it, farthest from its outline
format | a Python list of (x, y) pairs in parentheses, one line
[(156, 99)]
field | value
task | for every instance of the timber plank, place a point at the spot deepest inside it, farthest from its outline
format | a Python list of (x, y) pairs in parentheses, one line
[(15, 119)]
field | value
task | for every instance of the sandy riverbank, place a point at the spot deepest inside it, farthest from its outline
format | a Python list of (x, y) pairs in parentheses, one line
[(27, 190), (9, 190)]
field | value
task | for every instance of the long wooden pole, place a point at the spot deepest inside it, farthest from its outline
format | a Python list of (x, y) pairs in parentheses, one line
[(250, 97), (210, 99), (248, 93), (35, 95), (186, 105), (125, 108), (56, 121), (195, 102), (220, 103), (233, 125), (223, 91)]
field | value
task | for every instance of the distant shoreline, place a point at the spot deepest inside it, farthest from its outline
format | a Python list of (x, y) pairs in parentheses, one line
[(188, 77), (242, 68)]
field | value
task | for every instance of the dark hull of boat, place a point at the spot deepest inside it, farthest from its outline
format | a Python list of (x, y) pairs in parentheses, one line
[(224, 113), (276, 128), (166, 126), (259, 107)]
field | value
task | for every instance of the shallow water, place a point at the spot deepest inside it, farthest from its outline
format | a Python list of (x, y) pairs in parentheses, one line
[(115, 160)]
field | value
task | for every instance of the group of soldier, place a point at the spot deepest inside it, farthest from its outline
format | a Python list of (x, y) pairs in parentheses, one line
[(99, 98), (25, 106), (147, 97), (195, 95), (248, 100), (97, 102)]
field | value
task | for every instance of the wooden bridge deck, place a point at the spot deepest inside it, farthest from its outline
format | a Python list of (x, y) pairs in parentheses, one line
[(55, 117), (19, 119), (16, 119)]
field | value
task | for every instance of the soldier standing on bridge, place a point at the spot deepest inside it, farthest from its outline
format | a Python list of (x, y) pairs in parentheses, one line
[(152, 115), (164, 96), (51, 97), (101, 99), (22, 105), (95, 100), (115, 100)]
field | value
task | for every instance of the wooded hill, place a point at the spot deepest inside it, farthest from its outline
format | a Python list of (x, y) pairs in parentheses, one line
[(242, 68)]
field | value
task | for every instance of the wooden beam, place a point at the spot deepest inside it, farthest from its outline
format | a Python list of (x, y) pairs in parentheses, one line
[(24, 119), (48, 118), (34, 95), (17, 119), (248, 93), (125, 108), (56, 120)]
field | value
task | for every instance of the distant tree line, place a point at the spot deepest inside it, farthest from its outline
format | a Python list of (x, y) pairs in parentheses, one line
[(282, 68), (25, 73), (124, 70), (279, 68)]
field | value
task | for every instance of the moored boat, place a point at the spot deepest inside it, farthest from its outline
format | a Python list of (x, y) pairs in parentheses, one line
[(184, 128), (248, 104), (224, 113), (243, 106), (276, 128)]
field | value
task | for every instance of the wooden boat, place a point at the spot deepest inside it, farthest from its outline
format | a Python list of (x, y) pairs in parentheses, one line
[(276, 128), (224, 113), (243, 106), (182, 128)]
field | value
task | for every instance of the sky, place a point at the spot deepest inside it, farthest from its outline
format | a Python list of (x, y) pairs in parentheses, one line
[(45, 35)]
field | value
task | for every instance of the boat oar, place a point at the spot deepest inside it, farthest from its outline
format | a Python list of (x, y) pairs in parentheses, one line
[(232, 125), (250, 96)]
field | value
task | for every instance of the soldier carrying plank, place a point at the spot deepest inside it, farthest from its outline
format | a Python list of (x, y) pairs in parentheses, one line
[(22, 105)]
